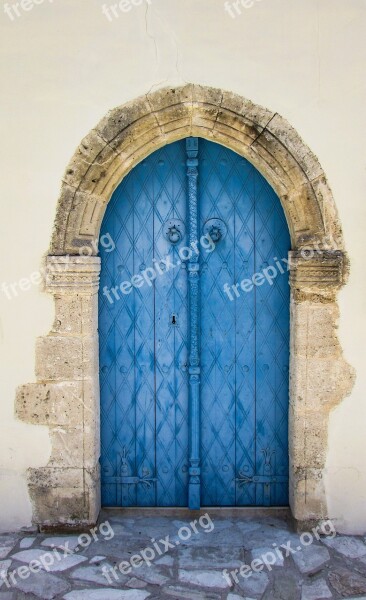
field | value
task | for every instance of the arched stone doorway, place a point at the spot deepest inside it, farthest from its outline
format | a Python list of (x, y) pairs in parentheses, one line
[(66, 395)]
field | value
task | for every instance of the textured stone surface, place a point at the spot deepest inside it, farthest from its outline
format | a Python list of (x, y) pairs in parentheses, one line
[(347, 583), (43, 585), (94, 574), (224, 557), (255, 585), (350, 547), (71, 542), (108, 594), (167, 578), (208, 579), (273, 558), (183, 593), (54, 562), (316, 591), (311, 559), (286, 586)]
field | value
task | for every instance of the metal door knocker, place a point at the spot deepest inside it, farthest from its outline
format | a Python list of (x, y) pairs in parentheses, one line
[(216, 229), (174, 231)]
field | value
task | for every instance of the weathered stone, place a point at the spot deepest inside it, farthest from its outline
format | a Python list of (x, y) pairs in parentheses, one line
[(51, 561), (268, 553), (43, 585), (94, 574), (286, 586), (311, 559), (183, 593), (316, 591), (50, 404), (153, 575), (351, 547), (27, 542), (255, 585), (346, 583), (136, 583), (208, 579), (107, 594), (217, 557), (71, 542), (4, 568), (167, 560), (59, 358), (97, 559)]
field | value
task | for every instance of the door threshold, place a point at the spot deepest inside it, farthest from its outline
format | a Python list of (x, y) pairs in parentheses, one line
[(283, 512)]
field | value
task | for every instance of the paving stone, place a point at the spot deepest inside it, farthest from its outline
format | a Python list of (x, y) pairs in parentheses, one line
[(209, 579), (248, 526), (167, 560), (236, 597), (107, 594), (7, 540), (316, 591), (5, 551), (347, 583), (154, 574), (263, 553), (311, 559), (286, 586), (43, 585), (223, 557), (71, 542), (62, 564), (4, 567), (255, 585), (351, 547), (27, 542), (136, 583), (94, 574), (97, 559), (267, 536), (183, 593)]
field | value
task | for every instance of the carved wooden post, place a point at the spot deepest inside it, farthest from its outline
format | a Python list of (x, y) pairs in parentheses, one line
[(194, 495)]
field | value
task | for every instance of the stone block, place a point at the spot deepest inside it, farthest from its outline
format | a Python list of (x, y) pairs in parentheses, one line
[(50, 404), (59, 358)]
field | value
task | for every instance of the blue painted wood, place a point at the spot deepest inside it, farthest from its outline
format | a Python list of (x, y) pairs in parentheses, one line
[(143, 356), (245, 341), (184, 421), (194, 492)]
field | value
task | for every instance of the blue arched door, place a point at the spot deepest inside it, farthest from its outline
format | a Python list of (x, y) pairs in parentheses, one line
[(194, 334)]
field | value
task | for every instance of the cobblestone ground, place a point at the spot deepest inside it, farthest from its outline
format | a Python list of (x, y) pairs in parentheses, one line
[(162, 557)]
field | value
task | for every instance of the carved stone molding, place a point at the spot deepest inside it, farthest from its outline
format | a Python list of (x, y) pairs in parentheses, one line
[(72, 274), (317, 273)]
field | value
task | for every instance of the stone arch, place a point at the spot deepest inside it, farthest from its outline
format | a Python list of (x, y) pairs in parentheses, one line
[(131, 132), (66, 395)]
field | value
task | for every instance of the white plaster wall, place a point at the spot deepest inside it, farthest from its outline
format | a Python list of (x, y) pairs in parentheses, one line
[(63, 65)]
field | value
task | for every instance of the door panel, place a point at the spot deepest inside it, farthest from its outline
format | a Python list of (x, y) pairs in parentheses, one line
[(144, 338), (244, 389), (142, 355)]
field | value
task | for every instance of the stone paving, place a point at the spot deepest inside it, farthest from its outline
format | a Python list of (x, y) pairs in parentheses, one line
[(209, 558)]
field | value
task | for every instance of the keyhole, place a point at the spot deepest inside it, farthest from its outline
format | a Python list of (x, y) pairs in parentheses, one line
[(174, 321)]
